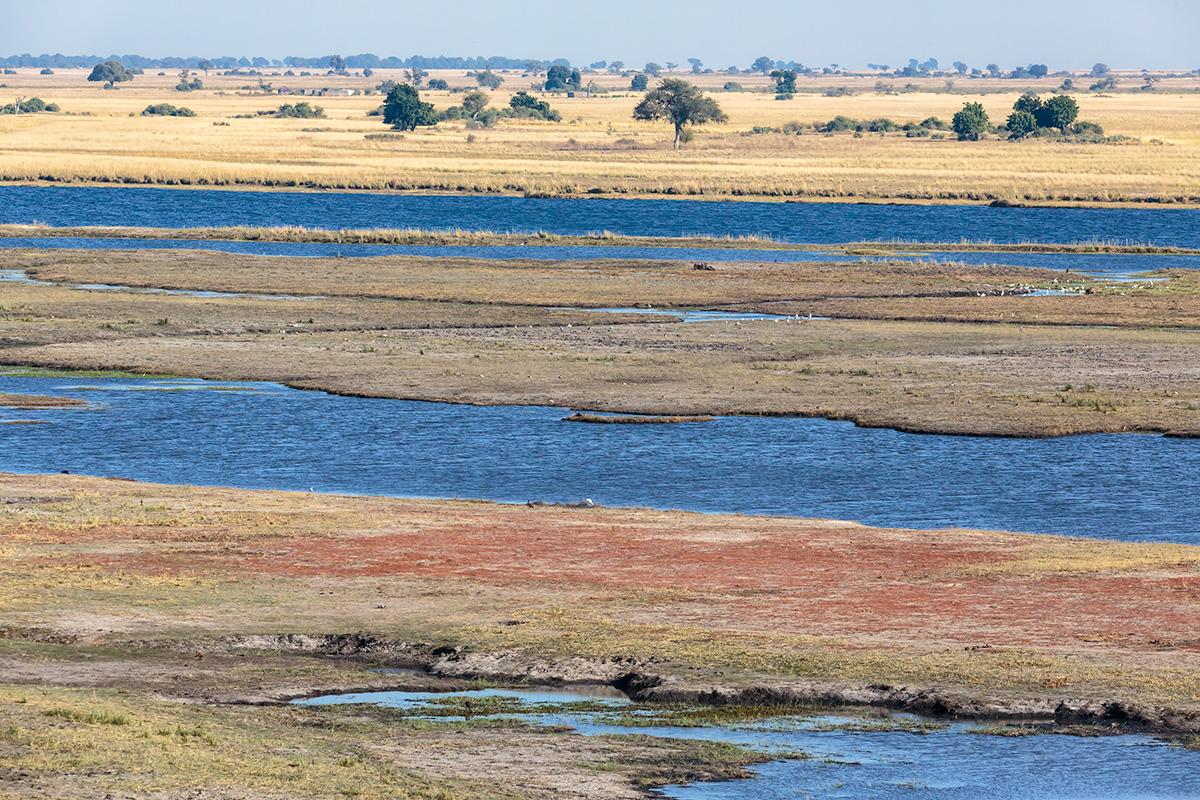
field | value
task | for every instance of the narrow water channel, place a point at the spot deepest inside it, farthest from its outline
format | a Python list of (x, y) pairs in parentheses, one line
[(848, 757)]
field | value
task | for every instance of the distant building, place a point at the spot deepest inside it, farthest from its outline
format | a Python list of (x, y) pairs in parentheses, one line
[(580, 93)]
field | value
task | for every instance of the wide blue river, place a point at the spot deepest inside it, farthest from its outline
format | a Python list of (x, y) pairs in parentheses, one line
[(808, 222), (262, 435)]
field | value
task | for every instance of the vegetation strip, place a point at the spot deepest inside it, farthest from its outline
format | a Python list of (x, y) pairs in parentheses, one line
[(602, 419), (545, 239)]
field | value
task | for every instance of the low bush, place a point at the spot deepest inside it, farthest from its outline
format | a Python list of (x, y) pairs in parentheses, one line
[(33, 105), (167, 110), (840, 123), (880, 125), (301, 110)]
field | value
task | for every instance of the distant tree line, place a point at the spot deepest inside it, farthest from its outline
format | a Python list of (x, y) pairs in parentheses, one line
[(357, 62)]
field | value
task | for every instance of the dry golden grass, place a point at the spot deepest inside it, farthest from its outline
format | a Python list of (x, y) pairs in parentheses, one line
[(598, 147)]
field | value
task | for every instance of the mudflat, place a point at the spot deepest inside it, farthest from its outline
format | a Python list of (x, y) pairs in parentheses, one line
[(931, 348)]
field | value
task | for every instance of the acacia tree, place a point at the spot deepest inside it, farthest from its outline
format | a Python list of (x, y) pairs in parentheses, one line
[(1058, 112), (110, 72), (488, 79), (971, 122), (763, 64), (337, 64), (415, 76), (559, 78), (473, 103), (785, 81), (206, 65), (681, 103), (1021, 123), (404, 110)]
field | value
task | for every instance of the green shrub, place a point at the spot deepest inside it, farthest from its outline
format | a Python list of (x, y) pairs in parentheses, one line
[(301, 110), (881, 125), (840, 123), (1021, 124), (167, 110)]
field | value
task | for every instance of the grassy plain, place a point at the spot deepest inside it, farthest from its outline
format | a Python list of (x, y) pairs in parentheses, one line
[(599, 149), (147, 633), (475, 331)]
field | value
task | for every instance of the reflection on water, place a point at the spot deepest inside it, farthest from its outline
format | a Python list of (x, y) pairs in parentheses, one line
[(262, 435), (853, 758)]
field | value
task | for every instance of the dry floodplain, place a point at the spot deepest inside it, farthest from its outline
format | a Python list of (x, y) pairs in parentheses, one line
[(598, 149), (150, 636)]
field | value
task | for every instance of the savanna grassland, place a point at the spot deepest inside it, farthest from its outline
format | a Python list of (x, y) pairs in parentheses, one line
[(148, 635), (599, 149)]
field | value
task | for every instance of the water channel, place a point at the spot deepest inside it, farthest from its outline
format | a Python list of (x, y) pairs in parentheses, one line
[(899, 757), (1103, 265), (266, 436), (794, 222)]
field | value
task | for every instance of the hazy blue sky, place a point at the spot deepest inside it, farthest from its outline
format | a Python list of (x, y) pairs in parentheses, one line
[(1060, 33)]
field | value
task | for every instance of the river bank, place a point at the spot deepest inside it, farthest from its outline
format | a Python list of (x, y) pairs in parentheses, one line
[(237, 601)]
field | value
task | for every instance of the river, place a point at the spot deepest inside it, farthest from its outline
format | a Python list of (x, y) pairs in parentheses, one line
[(819, 223)]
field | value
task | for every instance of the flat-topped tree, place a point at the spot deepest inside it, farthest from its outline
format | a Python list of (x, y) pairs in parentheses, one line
[(110, 72), (763, 64), (680, 102), (488, 79)]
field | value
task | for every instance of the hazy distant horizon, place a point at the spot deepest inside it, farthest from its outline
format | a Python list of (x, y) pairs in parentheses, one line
[(1063, 34)]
